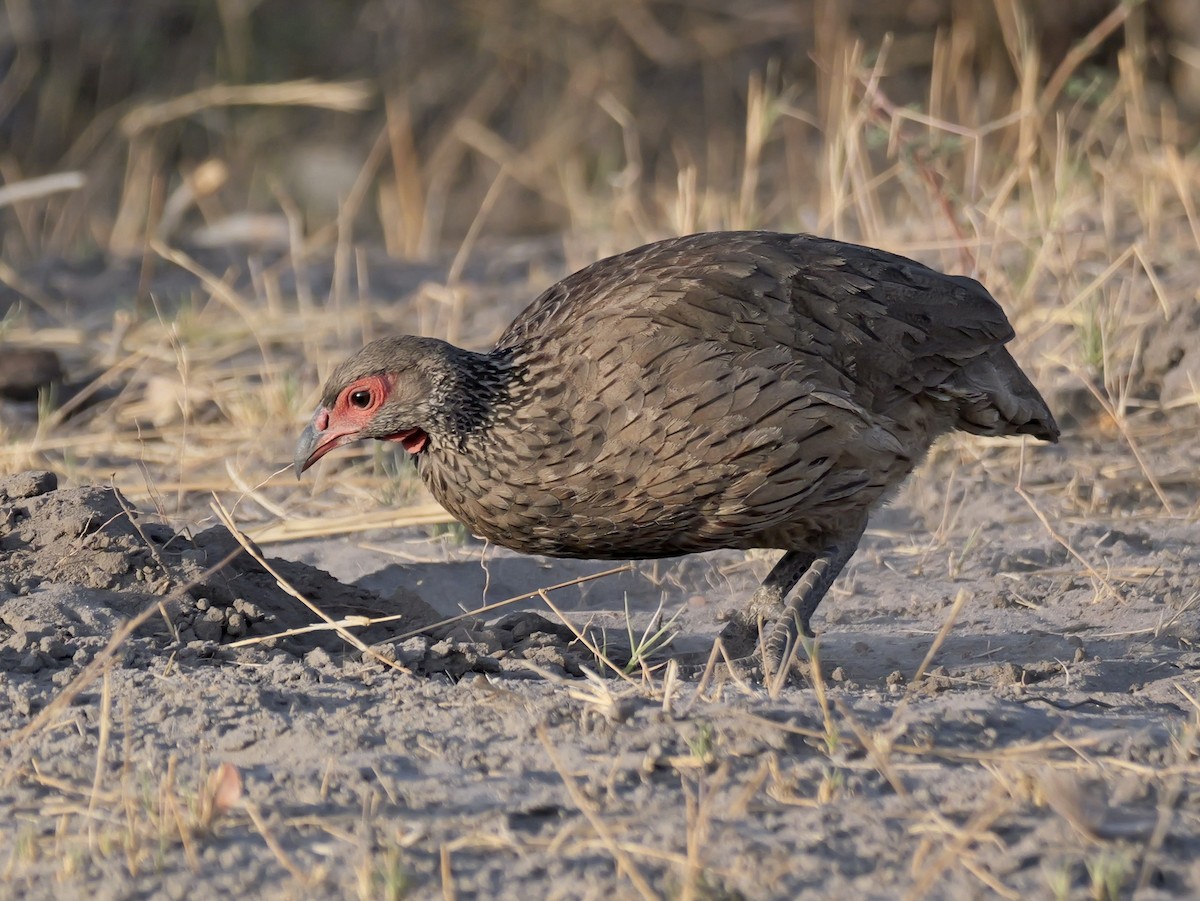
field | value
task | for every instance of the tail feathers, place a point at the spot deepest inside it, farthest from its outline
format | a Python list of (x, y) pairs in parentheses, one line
[(995, 397)]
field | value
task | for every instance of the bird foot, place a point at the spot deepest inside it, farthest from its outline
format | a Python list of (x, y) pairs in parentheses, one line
[(751, 654)]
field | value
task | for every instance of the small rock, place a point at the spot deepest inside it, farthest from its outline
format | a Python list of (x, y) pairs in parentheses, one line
[(235, 624), (411, 653), (209, 626), (376, 652), (483, 639), (249, 609), (54, 648), (318, 658), (550, 658), (30, 663), (29, 484), (194, 557), (28, 584)]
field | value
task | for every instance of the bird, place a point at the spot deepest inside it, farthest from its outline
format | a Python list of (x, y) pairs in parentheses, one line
[(742, 389)]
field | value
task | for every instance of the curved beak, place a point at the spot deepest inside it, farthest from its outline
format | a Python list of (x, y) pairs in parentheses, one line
[(318, 439)]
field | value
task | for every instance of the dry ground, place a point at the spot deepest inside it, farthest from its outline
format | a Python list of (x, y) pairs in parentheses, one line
[(992, 708), (1004, 699)]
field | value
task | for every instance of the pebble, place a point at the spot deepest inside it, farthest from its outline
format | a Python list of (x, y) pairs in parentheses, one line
[(29, 663), (210, 626), (235, 624), (52, 647)]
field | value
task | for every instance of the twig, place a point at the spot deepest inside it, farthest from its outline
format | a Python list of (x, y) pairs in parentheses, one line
[(33, 188), (959, 600), (487, 608), (600, 655)]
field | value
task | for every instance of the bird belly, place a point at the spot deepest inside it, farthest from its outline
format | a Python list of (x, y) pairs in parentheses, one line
[(622, 507)]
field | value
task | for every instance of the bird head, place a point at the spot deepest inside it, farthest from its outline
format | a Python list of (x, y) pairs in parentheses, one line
[(387, 391)]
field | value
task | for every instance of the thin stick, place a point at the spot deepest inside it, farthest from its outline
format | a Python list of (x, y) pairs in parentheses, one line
[(276, 848), (294, 529), (1045, 521), (1123, 428), (1081, 51), (448, 892), (487, 608), (959, 600), (34, 188), (871, 745), (102, 740), (584, 640), (360, 622), (345, 96)]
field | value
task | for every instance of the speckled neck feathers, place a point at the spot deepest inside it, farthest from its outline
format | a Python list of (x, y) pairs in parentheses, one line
[(472, 395)]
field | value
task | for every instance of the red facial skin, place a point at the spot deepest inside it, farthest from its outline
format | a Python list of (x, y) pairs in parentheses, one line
[(330, 429)]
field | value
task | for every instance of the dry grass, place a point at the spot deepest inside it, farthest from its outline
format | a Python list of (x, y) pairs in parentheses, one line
[(1072, 200), (1072, 197)]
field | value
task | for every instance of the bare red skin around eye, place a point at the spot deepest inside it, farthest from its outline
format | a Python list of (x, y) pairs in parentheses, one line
[(345, 422)]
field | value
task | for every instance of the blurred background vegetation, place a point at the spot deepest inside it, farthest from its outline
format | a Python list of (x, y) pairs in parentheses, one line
[(659, 115), (205, 204)]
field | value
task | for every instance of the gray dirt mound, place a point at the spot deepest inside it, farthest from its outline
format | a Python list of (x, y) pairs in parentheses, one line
[(76, 562)]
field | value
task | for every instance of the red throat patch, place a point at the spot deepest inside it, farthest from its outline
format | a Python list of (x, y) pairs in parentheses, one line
[(414, 440)]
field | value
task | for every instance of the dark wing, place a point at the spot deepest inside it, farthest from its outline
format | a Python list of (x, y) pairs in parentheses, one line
[(885, 326)]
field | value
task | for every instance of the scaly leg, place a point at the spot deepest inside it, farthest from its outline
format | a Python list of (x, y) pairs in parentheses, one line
[(812, 575)]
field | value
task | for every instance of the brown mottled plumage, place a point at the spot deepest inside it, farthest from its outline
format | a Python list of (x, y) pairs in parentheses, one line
[(722, 390)]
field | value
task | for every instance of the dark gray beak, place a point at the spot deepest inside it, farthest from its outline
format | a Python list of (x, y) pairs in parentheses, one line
[(305, 447)]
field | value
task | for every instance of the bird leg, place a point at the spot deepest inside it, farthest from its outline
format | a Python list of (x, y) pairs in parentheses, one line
[(812, 575)]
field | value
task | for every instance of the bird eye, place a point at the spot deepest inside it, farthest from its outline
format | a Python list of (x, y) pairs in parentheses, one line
[(361, 399)]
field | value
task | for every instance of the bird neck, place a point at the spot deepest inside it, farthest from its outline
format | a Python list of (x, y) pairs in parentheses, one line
[(472, 391)]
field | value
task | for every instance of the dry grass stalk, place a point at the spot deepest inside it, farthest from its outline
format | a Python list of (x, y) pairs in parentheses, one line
[(698, 813), (35, 188), (447, 875), (346, 622), (585, 641), (293, 528), (956, 844), (960, 600), (345, 97), (487, 608)]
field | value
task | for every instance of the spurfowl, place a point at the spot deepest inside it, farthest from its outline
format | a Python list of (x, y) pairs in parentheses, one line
[(722, 390)]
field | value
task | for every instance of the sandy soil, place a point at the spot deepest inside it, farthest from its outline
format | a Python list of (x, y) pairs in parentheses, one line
[(1049, 748)]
